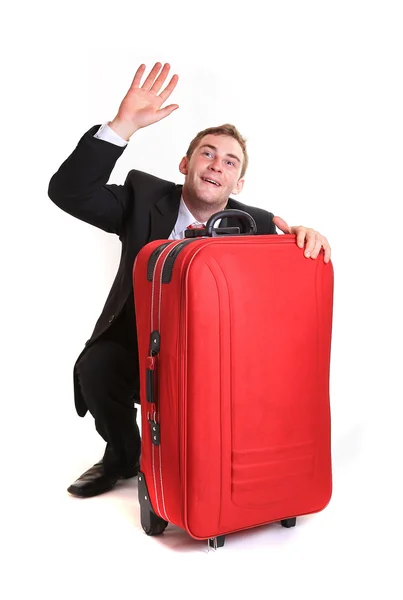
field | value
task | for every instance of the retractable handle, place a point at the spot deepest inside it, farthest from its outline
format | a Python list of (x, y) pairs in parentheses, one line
[(232, 212)]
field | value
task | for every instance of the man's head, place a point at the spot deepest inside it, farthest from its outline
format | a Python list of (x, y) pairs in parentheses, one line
[(214, 166)]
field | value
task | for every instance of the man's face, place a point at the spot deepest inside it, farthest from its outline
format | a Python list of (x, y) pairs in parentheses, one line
[(212, 173)]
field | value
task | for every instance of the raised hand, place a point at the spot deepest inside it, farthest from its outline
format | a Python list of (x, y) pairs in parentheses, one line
[(142, 104)]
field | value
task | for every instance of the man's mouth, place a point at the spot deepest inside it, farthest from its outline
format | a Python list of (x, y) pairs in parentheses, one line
[(211, 181)]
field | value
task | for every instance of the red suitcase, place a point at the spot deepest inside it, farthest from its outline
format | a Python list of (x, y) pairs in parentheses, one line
[(234, 336)]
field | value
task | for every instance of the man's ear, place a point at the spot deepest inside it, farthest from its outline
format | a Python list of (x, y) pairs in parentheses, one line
[(239, 186), (183, 165)]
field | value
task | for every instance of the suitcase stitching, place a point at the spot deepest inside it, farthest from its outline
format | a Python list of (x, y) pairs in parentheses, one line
[(152, 329), (159, 447), (168, 248)]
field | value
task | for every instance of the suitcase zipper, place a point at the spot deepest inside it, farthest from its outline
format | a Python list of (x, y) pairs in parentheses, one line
[(153, 420), (168, 259), (153, 260)]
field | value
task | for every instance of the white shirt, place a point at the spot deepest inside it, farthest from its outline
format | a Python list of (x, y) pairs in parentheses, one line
[(185, 217)]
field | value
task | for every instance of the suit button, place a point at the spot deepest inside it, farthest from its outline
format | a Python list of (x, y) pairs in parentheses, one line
[(111, 318)]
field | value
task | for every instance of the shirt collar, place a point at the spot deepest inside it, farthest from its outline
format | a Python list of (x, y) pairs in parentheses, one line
[(185, 218)]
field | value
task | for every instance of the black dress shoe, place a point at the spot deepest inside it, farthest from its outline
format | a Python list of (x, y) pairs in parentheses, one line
[(95, 481)]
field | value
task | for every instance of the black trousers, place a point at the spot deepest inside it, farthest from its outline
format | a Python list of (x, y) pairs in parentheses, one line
[(108, 377)]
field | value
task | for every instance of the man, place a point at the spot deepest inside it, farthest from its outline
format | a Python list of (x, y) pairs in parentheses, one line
[(145, 208)]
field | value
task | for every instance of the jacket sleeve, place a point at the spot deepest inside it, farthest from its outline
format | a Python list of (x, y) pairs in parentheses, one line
[(80, 188)]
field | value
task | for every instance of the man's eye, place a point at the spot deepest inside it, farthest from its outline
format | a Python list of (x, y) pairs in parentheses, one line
[(207, 153), (230, 162)]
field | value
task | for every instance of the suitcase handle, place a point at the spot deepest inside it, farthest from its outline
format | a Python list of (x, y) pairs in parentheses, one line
[(231, 212)]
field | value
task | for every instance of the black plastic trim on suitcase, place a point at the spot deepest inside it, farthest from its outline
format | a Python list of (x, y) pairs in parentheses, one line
[(216, 542), (150, 522), (154, 350), (153, 259), (242, 215), (170, 260), (191, 233), (154, 343), (291, 522), (150, 385), (155, 432)]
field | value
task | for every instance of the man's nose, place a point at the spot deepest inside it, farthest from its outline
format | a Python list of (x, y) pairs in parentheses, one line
[(215, 165)]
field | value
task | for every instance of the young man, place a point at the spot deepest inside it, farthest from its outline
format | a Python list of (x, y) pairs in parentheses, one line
[(145, 208)]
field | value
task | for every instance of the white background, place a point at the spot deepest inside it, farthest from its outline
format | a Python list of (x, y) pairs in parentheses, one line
[(316, 88)]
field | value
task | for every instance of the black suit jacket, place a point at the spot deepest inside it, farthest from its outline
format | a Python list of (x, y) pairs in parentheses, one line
[(144, 209)]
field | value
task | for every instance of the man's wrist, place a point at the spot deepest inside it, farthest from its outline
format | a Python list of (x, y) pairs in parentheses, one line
[(124, 130), (107, 134)]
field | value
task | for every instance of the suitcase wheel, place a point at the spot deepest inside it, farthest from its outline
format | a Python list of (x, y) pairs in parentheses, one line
[(289, 522), (153, 524)]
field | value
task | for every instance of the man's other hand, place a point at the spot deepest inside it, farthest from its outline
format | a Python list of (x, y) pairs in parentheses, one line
[(313, 240)]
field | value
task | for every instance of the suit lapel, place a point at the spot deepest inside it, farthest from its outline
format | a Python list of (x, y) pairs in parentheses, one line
[(164, 214)]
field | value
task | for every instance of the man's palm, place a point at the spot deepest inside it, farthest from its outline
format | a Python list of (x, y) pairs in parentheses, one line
[(142, 105)]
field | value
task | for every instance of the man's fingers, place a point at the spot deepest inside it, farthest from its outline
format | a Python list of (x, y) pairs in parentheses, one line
[(170, 88), (164, 112), (301, 237), (316, 248), (327, 250), (153, 74), (281, 224), (154, 82), (310, 241), (320, 242), (137, 78), (158, 83)]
